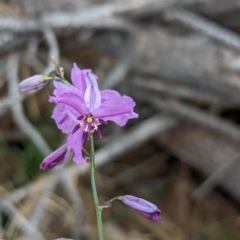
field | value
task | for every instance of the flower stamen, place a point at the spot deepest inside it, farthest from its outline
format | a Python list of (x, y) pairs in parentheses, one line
[(90, 124), (89, 119)]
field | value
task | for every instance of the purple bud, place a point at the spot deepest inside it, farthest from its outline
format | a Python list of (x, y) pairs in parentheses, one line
[(32, 83), (56, 158), (62, 239), (142, 206)]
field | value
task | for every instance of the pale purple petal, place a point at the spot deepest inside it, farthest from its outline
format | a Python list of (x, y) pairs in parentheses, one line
[(57, 83), (72, 113), (109, 94), (56, 158), (63, 120), (92, 98), (116, 109), (78, 77), (72, 98), (76, 143), (91, 79)]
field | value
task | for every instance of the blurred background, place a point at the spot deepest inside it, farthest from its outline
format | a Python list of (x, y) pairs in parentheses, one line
[(180, 61)]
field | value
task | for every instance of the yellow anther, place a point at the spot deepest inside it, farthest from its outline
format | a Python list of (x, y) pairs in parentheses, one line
[(89, 119)]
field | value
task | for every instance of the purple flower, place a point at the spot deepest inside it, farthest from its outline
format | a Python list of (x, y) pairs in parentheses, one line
[(32, 83), (81, 108), (142, 206), (56, 158)]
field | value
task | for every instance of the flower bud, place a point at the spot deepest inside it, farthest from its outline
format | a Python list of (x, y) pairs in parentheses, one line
[(32, 83), (56, 158), (62, 239), (142, 206)]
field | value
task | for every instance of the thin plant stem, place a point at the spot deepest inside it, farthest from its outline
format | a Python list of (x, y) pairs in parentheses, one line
[(109, 202), (94, 191)]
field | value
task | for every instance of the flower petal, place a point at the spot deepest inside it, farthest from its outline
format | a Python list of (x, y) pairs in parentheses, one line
[(63, 120), (72, 98), (56, 158), (78, 77), (118, 109), (57, 83), (91, 79), (92, 98), (76, 143), (109, 94)]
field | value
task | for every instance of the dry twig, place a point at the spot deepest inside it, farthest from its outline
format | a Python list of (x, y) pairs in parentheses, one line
[(20, 221), (196, 115), (204, 25), (215, 178), (16, 108)]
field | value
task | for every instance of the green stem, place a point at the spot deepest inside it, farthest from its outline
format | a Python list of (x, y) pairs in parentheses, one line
[(94, 191), (109, 202)]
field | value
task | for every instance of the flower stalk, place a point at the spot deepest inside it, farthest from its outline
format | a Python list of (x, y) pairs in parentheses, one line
[(94, 191), (81, 108)]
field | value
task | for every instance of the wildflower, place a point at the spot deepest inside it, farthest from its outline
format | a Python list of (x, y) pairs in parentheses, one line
[(81, 108), (142, 206), (56, 158), (34, 82)]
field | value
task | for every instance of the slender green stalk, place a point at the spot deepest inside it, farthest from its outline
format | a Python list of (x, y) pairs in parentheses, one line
[(94, 191)]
